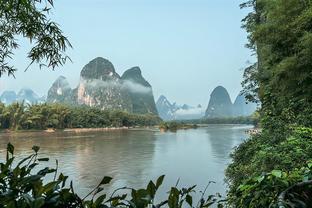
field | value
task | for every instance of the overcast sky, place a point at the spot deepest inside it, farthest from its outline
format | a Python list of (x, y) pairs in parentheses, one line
[(185, 48)]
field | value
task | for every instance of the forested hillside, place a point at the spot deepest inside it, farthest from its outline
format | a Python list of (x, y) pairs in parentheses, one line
[(280, 35)]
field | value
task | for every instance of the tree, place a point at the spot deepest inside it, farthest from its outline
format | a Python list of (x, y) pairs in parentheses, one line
[(280, 34), (29, 19)]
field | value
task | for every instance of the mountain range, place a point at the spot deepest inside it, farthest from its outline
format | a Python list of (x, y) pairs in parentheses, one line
[(173, 111), (219, 106), (101, 86), (24, 95)]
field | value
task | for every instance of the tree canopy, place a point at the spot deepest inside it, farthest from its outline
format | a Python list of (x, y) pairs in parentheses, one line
[(280, 34), (29, 19)]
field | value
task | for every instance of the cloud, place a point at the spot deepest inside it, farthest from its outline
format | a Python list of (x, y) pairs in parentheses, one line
[(125, 85), (136, 88), (189, 112)]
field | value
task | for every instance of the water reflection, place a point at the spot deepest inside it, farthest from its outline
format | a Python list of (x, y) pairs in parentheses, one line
[(133, 157), (223, 138)]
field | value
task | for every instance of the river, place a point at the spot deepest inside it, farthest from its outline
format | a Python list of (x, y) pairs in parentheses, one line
[(132, 157)]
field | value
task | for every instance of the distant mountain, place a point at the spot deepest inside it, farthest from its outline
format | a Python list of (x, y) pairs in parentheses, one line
[(164, 108), (60, 91), (101, 86), (243, 108), (25, 95), (168, 111), (140, 91), (220, 105), (8, 97)]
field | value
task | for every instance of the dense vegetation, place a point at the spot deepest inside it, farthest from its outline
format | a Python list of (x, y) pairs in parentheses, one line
[(252, 120), (24, 185), (19, 116), (280, 34), (174, 126)]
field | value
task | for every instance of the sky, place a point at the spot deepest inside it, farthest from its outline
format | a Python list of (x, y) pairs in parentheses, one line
[(185, 48)]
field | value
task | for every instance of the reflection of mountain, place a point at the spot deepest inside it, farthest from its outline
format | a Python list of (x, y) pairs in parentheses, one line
[(223, 138)]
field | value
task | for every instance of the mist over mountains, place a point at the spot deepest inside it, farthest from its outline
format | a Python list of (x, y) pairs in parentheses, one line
[(102, 87), (219, 106), (173, 111)]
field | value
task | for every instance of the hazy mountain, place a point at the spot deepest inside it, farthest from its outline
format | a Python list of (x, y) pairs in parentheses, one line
[(168, 111), (60, 92), (243, 108), (101, 86), (25, 95), (220, 104), (8, 97), (140, 91), (164, 108)]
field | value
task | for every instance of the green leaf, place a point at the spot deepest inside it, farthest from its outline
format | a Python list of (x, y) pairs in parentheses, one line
[(277, 173), (189, 200), (10, 148), (37, 203), (43, 159), (100, 200), (159, 181), (106, 180)]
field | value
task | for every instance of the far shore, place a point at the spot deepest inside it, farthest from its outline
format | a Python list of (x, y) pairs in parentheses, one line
[(76, 130), (104, 129)]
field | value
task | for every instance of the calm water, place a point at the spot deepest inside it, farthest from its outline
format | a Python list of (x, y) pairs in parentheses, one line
[(135, 156)]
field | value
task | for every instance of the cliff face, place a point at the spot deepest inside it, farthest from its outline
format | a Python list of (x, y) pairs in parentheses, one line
[(101, 86), (220, 104), (140, 91)]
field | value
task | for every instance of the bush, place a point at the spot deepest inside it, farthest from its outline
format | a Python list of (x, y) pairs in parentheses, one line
[(260, 155)]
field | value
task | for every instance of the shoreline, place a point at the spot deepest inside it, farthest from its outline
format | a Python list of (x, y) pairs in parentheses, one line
[(75, 130), (105, 129)]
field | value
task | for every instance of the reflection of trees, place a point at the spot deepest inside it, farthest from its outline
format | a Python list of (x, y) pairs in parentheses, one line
[(87, 157)]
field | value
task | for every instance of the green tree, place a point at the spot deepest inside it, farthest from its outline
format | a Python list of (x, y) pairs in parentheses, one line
[(29, 19)]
